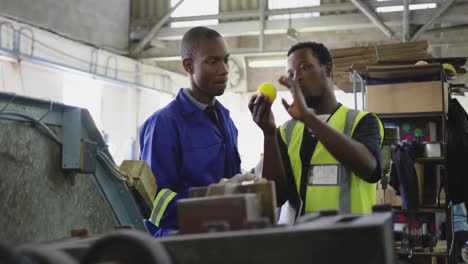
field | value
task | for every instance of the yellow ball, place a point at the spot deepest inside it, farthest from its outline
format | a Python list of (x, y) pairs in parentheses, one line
[(421, 62), (449, 67), (268, 89)]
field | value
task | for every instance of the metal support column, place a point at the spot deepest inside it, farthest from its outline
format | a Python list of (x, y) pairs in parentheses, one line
[(261, 40), (406, 26)]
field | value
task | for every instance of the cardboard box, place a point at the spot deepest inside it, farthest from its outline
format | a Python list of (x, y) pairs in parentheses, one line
[(406, 97)]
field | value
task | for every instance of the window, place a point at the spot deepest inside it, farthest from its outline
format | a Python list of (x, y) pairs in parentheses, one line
[(194, 8), (399, 8), (285, 4)]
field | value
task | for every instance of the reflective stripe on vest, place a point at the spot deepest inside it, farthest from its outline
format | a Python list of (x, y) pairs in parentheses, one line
[(160, 204), (288, 127), (352, 194), (345, 182)]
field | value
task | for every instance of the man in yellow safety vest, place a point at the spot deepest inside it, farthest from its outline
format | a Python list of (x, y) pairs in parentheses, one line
[(328, 155)]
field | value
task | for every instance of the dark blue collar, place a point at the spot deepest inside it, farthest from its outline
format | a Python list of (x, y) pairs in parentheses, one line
[(188, 108)]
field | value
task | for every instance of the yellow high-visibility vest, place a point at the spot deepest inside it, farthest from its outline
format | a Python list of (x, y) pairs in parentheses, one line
[(330, 185)]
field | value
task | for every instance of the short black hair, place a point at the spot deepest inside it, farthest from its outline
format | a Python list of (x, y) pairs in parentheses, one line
[(319, 51), (192, 37)]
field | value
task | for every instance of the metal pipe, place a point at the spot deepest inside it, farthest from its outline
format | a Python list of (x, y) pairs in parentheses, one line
[(374, 18), (10, 25), (137, 73), (355, 88), (18, 37), (116, 69), (59, 66), (93, 64), (363, 93), (406, 25), (154, 31), (48, 131), (429, 23), (261, 39)]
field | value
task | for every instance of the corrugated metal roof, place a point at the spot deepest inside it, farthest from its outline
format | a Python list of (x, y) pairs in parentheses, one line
[(237, 5), (149, 8), (143, 9)]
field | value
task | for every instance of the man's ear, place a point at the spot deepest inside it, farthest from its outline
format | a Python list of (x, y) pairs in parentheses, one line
[(329, 70), (188, 65)]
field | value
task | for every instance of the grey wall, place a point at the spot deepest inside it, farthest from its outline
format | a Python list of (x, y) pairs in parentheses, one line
[(102, 22), (256, 76), (38, 201)]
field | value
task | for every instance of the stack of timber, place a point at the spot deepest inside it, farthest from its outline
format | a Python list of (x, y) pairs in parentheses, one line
[(348, 59)]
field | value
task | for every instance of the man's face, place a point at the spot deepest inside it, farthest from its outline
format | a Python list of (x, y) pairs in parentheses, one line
[(210, 66), (306, 69)]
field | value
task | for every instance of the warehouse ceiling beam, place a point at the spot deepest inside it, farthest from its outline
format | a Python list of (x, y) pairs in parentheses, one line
[(154, 31), (316, 24), (374, 18), (448, 29), (334, 43), (456, 19), (448, 42), (235, 51), (437, 13), (304, 25), (268, 52)]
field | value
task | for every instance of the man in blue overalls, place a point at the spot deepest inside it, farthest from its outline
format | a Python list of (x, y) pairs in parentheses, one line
[(193, 140)]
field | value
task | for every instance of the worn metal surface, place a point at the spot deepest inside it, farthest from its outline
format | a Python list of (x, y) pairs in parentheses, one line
[(118, 196), (39, 201)]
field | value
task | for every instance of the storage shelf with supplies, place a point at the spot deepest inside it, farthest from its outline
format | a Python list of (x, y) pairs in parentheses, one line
[(417, 105)]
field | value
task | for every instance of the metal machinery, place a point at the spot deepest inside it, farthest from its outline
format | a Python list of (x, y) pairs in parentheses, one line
[(229, 224), (56, 174), (319, 239)]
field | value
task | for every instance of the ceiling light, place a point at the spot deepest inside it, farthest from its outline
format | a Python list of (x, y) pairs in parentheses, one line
[(422, 6), (399, 8), (267, 63)]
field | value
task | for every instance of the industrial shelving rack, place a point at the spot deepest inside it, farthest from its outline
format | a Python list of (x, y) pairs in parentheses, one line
[(364, 76)]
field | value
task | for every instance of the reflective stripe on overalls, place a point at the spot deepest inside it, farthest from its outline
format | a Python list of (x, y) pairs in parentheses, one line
[(160, 204)]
